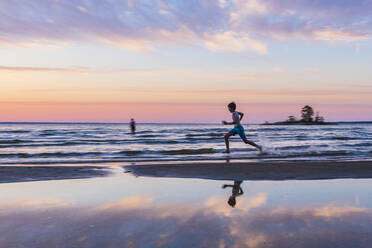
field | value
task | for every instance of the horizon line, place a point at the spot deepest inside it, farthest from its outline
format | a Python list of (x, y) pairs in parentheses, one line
[(173, 123)]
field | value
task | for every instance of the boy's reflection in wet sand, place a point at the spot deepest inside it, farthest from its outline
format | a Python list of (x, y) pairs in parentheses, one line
[(235, 192)]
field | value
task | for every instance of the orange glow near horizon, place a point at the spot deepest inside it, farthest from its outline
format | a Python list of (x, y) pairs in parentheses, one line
[(159, 112), (81, 94)]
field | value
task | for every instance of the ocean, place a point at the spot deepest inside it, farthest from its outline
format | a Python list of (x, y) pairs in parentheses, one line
[(53, 143)]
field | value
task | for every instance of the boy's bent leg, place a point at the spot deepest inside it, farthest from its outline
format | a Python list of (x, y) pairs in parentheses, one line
[(227, 136), (252, 144)]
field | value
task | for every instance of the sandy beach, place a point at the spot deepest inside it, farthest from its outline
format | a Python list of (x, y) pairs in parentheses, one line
[(10, 174), (256, 171)]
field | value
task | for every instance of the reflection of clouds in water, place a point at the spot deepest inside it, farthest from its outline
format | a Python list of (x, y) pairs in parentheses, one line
[(334, 211), (33, 204), (140, 221), (134, 202)]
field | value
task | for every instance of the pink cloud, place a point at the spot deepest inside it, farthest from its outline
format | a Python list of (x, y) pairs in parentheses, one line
[(221, 26)]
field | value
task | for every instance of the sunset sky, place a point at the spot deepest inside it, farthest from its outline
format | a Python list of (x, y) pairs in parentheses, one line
[(183, 61)]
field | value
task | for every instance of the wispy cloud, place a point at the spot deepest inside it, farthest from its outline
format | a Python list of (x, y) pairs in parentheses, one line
[(358, 86), (218, 25), (44, 69), (181, 95), (234, 42), (324, 20), (72, 69)]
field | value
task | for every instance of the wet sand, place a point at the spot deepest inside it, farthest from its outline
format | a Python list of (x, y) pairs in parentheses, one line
[(204, 170), (39, 173), (298, 170)]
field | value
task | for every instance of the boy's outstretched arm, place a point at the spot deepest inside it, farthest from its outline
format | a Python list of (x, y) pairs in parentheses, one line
[(228, 123), (241, 115)]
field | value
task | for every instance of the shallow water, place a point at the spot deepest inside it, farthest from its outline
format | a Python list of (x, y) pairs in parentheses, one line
[(125, 211), (82, 143)]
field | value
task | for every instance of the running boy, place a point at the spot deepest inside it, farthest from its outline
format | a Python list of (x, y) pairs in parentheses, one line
[(238, 128)]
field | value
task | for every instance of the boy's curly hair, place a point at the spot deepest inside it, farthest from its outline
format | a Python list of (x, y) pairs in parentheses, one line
[(232, 105)]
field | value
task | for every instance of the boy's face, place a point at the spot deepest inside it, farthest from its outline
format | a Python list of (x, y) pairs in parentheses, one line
[(230, 109)]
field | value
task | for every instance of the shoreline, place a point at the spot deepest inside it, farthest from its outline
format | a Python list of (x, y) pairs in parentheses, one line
[(271, 171), (14, 174), (212, 170)]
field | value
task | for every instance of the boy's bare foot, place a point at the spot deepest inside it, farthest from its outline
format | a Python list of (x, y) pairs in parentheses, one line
[(262, 152), (260, 149)]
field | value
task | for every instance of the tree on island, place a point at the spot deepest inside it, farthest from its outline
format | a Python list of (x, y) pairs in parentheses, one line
[(307, 113), (319, 118), (291, 118)]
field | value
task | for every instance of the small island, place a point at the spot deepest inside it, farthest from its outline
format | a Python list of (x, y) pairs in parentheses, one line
[(307, 114)]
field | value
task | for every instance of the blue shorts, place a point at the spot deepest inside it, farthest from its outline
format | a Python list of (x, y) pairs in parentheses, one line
[(238, 130)]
